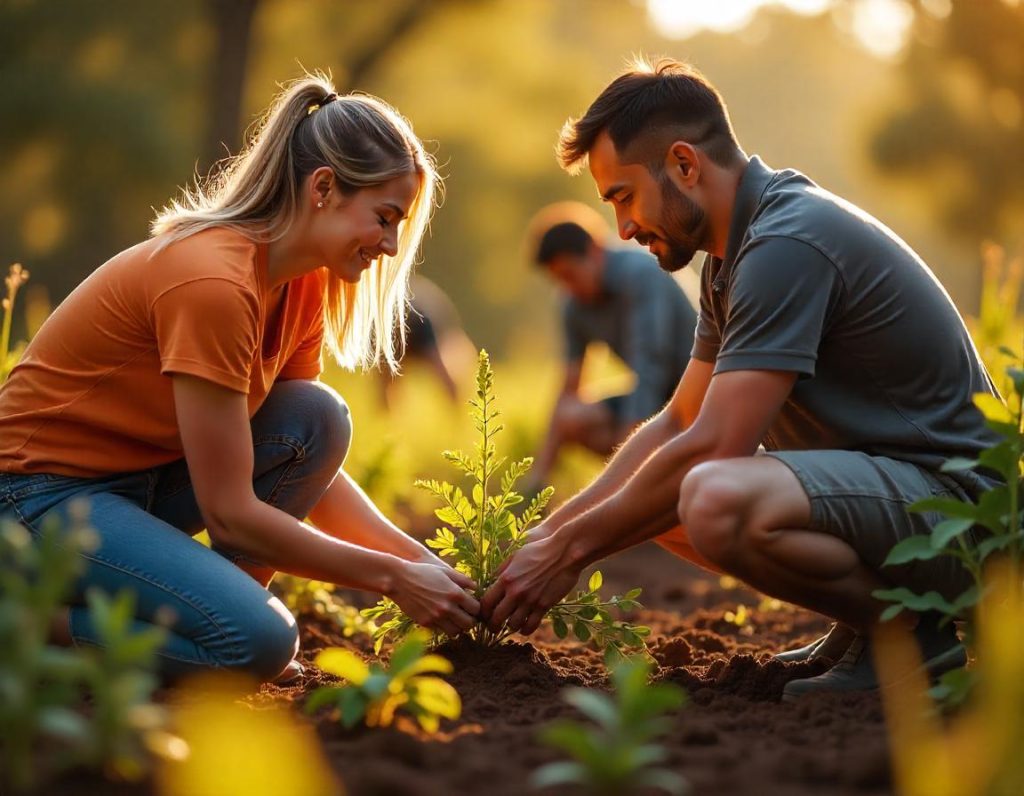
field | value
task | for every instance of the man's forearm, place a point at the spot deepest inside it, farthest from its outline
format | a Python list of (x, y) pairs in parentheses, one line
[(626, 461), (644, 508)]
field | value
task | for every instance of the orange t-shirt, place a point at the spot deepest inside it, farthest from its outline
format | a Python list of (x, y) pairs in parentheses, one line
[(92, 395)]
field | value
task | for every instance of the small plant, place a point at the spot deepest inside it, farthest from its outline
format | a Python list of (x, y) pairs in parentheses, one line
[(16, 277), (615, 753), (302, 596), (976, 752), (482, 531), (998, 511), (43, 689), (374, 694)]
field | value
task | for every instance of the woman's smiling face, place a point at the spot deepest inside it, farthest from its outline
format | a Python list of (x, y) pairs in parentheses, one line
[(350, 232)]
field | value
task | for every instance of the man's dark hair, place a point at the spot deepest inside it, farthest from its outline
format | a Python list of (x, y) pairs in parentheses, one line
[(565, 238), (653, 105)]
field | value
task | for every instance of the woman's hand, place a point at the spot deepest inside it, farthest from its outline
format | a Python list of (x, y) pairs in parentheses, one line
[(434, 595)]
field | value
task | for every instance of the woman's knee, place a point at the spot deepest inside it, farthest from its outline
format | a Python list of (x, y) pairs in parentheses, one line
[(321, 417), (268, 642)]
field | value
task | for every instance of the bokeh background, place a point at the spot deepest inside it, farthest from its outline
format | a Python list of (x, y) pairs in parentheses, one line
[(912, 109)]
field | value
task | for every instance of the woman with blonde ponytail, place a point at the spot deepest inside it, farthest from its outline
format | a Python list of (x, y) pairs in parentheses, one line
[(176, 389)]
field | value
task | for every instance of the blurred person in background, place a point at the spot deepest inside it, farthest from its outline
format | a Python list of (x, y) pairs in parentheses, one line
[(434, 338), (177, 389), (823, 337), (619, 297)]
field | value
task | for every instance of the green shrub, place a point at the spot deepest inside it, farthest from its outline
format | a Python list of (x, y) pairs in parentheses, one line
[(374, 694), (998, 511), (482, 530), (615, 752), (64, 707)]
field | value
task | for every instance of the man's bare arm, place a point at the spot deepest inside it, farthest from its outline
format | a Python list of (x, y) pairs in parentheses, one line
[(678, 415)]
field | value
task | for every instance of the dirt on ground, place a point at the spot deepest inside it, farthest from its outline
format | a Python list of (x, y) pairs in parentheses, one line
[(733, 737)]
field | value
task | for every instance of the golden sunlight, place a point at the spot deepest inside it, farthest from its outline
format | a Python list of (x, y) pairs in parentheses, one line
[(880, 26)]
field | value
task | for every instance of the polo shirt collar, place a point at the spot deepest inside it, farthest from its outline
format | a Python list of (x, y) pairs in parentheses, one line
[(753, 183)]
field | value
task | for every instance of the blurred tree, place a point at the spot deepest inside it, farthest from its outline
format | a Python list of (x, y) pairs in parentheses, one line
[(960, 116), (232, 27), (96, 126)]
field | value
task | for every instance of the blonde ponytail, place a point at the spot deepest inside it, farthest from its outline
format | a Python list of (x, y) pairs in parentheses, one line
[(365, 142)]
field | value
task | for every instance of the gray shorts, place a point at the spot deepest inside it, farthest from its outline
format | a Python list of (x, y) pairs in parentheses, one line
[(863, 500)]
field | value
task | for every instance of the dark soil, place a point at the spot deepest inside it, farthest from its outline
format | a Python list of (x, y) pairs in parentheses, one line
[(734, 736)]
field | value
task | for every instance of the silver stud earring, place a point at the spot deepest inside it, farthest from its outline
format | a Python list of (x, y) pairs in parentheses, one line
[(320, 204)]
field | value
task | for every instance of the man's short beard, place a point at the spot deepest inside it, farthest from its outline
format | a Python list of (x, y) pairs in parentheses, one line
[(684, 222)]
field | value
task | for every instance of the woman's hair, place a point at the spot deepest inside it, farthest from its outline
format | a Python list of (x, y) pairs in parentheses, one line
[(365, 142), (652, 103)]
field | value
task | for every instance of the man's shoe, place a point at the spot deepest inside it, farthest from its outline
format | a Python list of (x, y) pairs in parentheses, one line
[(831, 646), (940, 648)]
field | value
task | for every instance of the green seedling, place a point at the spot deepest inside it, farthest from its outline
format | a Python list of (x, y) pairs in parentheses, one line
[(120, 677), (615, 752), (482, 530), (44, 689), (374, 694), (16, 277), (302, 596), (998, 511)]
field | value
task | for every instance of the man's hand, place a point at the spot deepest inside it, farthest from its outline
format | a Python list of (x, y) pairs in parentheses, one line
[(532, 580)]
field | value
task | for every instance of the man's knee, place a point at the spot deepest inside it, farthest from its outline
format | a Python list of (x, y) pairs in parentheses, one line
[(712, 503)]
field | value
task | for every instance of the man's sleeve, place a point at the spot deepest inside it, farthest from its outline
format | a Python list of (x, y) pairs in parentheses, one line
[(208, 328), (782, 294), (707, 337), (648, 348)]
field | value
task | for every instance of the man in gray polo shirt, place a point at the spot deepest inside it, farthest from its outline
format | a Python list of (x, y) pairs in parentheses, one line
[(821, 336), (619, 297)]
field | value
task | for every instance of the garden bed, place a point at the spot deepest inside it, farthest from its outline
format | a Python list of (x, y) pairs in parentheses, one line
[(734, 736)]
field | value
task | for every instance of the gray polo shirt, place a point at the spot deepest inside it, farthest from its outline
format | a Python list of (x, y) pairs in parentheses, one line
[(814, 285), (645, 318)]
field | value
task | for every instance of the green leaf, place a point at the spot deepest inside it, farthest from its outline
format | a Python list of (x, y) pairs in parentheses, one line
[(64, 723), (407, 652), (664, 779), (559, 626), (594, 705), (913, 548), (325, 695), (947, 530), (891, 612), (562, 773), (958, 463), (594, 584), (581, 631), (929, 601), (353, 707), (988, 546), (948, 506)]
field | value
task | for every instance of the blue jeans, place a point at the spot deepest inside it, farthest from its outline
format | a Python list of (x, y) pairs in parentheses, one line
[(223, 618)]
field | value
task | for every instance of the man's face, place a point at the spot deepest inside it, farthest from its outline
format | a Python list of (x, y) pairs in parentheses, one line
[(652, 209), (576, 275)]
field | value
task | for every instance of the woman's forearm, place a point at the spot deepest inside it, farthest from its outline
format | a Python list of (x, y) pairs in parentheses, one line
[(271, 537), (345, 512)]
